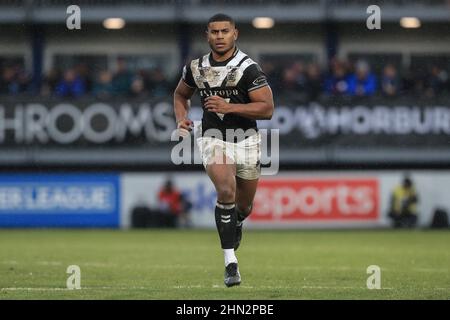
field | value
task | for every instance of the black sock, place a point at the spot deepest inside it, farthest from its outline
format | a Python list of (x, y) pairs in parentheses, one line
[(226, 224), (242, 215)]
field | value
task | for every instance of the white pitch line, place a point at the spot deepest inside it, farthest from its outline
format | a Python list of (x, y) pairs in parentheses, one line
[(203, 287), (432, 270), (338, 288), (302, 287), (9, 262), (34, 289), (189, 287), (49, 263), (317, 268), (65, 289), (97, 264), (159, 266)]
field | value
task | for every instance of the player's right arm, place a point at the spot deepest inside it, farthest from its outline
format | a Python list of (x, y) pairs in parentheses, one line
[(182, 100), (181, 103)]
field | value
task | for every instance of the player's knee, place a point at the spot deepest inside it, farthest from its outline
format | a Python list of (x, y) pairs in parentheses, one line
[(226, 193), (244, 207)]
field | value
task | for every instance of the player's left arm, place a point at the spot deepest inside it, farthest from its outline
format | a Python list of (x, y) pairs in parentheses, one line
[(260, 95), (261, 105), (260, 108)]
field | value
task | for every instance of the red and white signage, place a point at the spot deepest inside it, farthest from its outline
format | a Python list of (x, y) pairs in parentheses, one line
[(285, 200)]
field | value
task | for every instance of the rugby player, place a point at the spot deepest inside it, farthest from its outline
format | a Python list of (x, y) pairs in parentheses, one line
[(234, 93)]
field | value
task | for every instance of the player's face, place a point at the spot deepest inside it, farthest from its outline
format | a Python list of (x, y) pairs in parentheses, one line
[(221, 36)]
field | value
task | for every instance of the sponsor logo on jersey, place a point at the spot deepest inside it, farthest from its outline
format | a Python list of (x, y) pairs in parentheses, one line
[(225, 93), (259, 81)]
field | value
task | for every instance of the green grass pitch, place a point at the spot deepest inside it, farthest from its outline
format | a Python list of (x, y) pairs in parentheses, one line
[(174, 264)]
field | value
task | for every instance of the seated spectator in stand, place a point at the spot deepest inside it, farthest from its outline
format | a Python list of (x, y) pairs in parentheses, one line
[(363, 82), (337, 82), (403, 206), (294, 81), (273, 75), (23, 79), (14, 80), (170, 203), (390, 84), (103, 87), (84, 72), (436, 81), (50, 82), (289, 80), (414, 82), (122, 78), (301, 78), (159, 86), (7, 85), (138, 87), (314, 84), (71, 86)]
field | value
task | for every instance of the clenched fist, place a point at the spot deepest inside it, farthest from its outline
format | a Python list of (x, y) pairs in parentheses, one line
[(184, 127)]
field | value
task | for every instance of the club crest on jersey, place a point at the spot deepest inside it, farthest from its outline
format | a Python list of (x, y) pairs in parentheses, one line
[(201, 75), (231, 76), (200, 78)]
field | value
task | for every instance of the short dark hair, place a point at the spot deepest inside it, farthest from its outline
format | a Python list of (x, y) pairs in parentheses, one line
[(220, 17)]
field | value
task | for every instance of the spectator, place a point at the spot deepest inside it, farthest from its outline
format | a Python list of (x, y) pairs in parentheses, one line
[(403, 206), (122, 79), (159, 86), (138, 87), (414, 82), (314, 83), (363, 82), (273, 75), (300, 76), (103, 87), (14, 80), (8, 84), (50, 82), (85, 74), (337, 83), (71, 86), (294, 82), (170, 203), (389, 81), (23, 79), (436, 81), (289, 80)]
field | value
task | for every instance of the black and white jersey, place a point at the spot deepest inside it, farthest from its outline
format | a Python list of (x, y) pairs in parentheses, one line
[(232, 80)]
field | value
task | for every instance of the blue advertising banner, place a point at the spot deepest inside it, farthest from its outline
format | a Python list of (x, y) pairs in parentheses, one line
[(59, 200)]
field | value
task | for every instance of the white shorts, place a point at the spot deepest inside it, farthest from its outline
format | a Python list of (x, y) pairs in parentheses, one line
[(246, 154)]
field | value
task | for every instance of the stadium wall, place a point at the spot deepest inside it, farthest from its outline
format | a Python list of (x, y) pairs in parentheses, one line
[(60, 200), (93, 132), (293, 199)]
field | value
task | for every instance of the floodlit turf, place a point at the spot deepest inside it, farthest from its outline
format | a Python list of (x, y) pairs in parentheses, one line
[(161, 264)]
